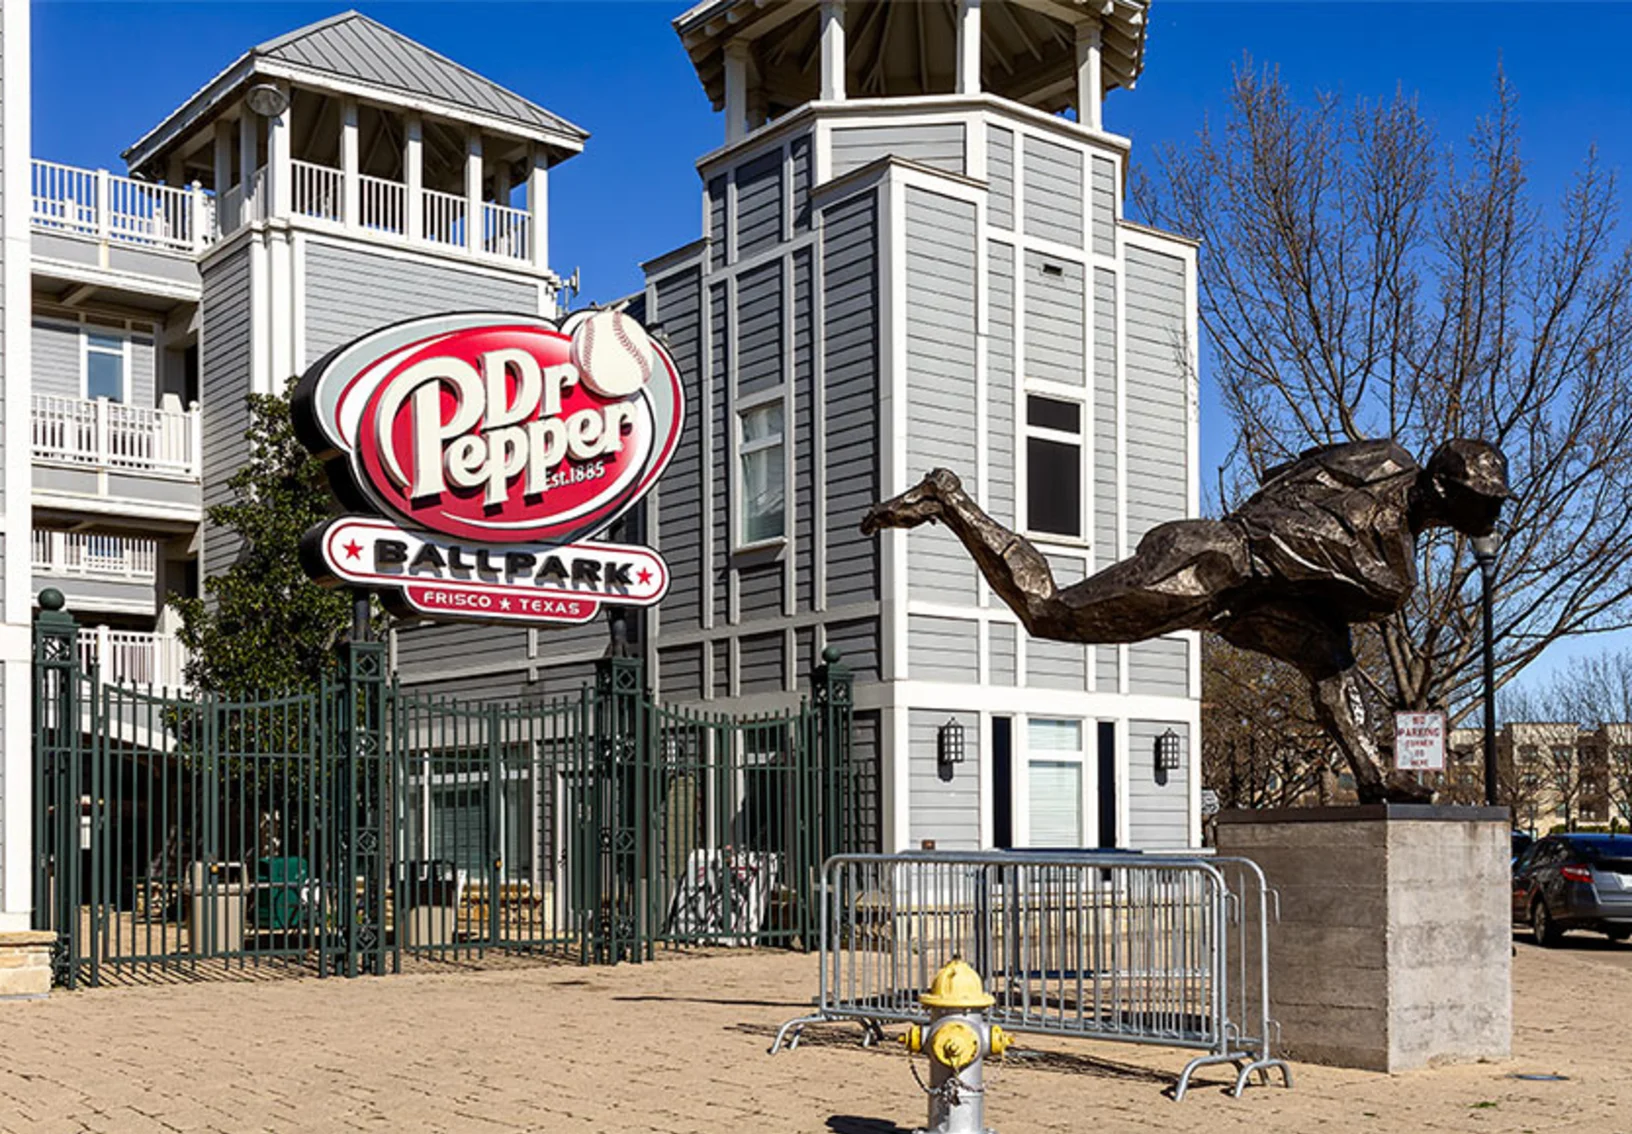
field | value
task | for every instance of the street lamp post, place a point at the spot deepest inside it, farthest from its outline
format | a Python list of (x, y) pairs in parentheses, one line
[(1484, 553)]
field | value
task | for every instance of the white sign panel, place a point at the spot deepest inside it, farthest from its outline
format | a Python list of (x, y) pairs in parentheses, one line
[(1419, 742)]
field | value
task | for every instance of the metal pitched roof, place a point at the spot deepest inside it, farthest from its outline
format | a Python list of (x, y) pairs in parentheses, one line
[(352, 46)]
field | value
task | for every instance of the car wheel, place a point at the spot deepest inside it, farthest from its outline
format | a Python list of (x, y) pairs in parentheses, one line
[(1543, 926)]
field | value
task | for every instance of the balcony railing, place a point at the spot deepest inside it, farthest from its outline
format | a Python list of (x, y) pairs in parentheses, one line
[(104, 434), (384, 205), (96, 203), (319, 191), (444, 217), (133, 657), (95, 555)]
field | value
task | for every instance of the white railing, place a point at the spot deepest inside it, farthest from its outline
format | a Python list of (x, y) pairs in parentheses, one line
[(104, 434), (505, 231), (320, 192), (444, 217), (133, 657), (234, 209), (94, 202), (96, 554), (383, 205)]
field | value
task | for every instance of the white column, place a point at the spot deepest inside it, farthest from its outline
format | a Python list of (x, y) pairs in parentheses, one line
[(538, 206), (223, 158), (16, 584), (413, 176), (968, 47), (248, 159), (832, 50), (278, 155), (736, 91), (473, 191), (1089, 94), (351, 187)]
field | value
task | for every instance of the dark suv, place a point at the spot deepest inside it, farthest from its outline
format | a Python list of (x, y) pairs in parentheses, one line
[(1567, 882)]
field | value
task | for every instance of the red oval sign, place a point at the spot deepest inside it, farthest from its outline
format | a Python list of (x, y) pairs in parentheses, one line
[(500, 429)]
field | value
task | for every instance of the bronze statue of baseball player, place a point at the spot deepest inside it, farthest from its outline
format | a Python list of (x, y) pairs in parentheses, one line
[(1328, 540)]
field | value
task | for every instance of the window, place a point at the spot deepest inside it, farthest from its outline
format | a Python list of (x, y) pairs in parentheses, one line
[(764, 474), (1054, 782), (1053, 466), (104, 366)]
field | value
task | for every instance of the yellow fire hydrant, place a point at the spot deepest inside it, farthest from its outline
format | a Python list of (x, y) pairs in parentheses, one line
[(959, 1040)]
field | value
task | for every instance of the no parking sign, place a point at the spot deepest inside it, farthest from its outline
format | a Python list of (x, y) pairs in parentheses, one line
[(1419, 742)]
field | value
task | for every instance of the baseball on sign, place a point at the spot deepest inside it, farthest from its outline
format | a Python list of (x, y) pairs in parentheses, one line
[(612, 353)]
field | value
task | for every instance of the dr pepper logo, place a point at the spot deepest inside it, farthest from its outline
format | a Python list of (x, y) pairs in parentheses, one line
[(496, 428)]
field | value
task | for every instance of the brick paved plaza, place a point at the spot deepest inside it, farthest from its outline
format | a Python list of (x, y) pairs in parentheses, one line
[(678, 1047)]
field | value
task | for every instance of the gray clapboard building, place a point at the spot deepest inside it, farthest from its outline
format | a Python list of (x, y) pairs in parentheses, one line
[(912, 257)]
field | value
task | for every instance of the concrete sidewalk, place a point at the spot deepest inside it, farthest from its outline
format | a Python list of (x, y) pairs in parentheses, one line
[(678, 1047)]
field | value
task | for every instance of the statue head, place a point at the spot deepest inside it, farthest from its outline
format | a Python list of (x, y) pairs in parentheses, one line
[(1465, 485)]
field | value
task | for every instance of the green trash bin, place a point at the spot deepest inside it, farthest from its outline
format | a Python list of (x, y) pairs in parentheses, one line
[(281, 886)]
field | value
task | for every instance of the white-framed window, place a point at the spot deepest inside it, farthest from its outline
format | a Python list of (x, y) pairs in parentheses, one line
[(1054, 782), (762, 514), (1054, 457), (105, 365)]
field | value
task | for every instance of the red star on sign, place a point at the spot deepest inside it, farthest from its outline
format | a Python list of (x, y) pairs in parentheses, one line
[(352, 549), (644, 575)]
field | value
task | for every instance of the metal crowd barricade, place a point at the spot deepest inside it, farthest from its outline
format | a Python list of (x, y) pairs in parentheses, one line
[(1157, 950)]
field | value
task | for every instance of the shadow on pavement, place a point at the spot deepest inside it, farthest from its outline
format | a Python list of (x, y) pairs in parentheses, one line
[(849, 1124)]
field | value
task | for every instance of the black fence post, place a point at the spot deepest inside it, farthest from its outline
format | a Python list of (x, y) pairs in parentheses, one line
[(836, 793), (364, 796), (618, 793), (58, 782)]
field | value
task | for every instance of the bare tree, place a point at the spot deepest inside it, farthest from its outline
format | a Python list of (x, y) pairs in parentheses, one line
[(1261, 745), (1596, 691), (1359, 279)]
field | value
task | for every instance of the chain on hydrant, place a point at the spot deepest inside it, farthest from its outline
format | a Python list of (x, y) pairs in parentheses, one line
[(958, 1040)]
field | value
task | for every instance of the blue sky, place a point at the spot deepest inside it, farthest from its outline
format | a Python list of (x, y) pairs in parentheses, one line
[(104, 73)]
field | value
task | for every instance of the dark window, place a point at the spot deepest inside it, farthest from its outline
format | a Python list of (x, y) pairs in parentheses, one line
[(1054, 466)]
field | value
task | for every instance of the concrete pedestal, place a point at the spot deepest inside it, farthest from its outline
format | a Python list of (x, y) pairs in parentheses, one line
[(1394, 946), (25, 964)]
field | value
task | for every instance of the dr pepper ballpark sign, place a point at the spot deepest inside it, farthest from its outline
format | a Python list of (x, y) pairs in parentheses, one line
[(484, 452)]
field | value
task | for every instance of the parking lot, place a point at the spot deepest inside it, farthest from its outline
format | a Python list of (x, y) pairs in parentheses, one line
[(678, 1047)]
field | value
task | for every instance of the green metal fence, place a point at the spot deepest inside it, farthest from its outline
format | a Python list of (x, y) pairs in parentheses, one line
[(363, 826)]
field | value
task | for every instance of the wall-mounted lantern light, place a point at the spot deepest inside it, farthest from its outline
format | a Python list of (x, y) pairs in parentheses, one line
[(949, 743), (1169, 752)]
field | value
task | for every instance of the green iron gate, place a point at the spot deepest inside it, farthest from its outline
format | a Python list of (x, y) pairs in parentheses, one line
[(359, 826)]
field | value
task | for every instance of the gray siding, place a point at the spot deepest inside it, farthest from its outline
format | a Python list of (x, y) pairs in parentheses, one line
[(1107, 669), (223, 387), (858, 643), (1056, 665), (1158, 814), (564, 680), (850, 332), (759, 203), (56, 359), (939, 146), (941, 390), (804, 656), (424, 652), (945, 803), (1053, 192), (763, 663), (802, 159), (1103, 217), (722, 668), (804, 430), (1106, 520), (1001, 649), (759, 329), (1054, 327), (680, 673), (866, 753), (719, 499), (1156, 383), (719, 243), (1160, 666), (759, 590), (350, 291), (1000, 396), (680, 493), (942, 649), (1000, 177)]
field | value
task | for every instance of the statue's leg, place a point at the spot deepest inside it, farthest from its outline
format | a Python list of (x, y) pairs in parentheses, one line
[(1172, 582), (1322, 649)]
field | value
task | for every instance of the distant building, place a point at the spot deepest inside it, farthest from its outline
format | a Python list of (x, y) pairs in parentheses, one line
[(1554, 774)]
